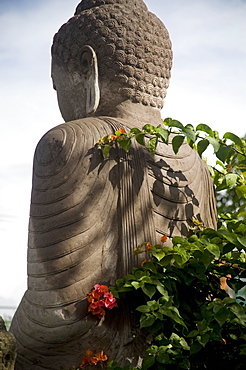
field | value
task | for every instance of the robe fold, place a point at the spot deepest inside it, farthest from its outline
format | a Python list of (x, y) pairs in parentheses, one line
[(87, 216)]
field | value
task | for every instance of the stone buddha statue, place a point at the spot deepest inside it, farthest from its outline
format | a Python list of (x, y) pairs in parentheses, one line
[(110, 67)]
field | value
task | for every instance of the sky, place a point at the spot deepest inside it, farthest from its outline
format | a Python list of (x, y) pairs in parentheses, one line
[(208, 85)]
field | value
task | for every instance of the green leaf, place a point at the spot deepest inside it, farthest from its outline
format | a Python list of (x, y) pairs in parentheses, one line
[(166, 260), (143, 308), (148, 361), (166, 121), (156, 326), (153, 305), (234, 138), (163, 358), (150, 266), (202, 325), (149, 290), (221, 316), (202, 146), (214, 249), (206, 258), (191, 127), (241, 190), (146, 320), (189, 133), (185, 364), (125, 144), (193, 334), (243, 349), (146, 279), (105, 150), (164, 134), (136, 284), (204, 128), (239, 312), (231, 237), (203, 339), (231, 179), (242, 240), (159, 254), (214, 143), (152, 145), (150, 129), (140, 139), (139, 273), (184, 344), (158, 315), (118, 133), (162, 290), (135, 131), (228, 248), (177, 142), (173, 123), (195, 347), (152, 350), (179, 240), (224, 152), (173, 313)]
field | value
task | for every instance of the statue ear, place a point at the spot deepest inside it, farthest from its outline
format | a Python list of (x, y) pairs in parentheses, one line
[(89, 72)]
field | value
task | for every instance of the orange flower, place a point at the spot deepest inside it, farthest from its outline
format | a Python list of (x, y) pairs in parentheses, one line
[(112, 137), (122, 130), (148, 246), (94, 295), (87, 360), (91, 359), (101, 356), (164, 238)]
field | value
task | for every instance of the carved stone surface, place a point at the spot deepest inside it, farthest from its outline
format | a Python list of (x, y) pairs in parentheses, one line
[(133, 51), (7, 348), (87, 214)]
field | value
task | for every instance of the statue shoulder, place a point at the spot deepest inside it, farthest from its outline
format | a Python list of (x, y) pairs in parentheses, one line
[(76, 136)]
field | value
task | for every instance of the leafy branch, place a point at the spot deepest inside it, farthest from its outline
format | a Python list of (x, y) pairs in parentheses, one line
[(230, 151), (194, 321), (183, 307)]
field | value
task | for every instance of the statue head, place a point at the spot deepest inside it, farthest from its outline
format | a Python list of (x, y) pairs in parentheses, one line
[(110, 52)]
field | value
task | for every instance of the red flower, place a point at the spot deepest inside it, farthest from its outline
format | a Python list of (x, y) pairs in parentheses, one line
[(97, 309), (100, 297), (101, 288), (109, 301)]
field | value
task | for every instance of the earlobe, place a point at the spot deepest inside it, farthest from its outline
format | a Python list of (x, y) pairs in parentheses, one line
[(89, 72)]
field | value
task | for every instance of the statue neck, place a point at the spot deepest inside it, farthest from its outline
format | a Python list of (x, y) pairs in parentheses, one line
[(135, 114)]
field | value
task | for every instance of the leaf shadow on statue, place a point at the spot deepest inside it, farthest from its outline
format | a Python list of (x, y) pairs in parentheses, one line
[(121, 158), (166, 183)]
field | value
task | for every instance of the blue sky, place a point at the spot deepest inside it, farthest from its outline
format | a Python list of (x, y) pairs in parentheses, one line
[(208, 85)]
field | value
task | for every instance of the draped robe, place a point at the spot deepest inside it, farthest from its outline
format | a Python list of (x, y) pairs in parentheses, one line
[(87, 216)]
